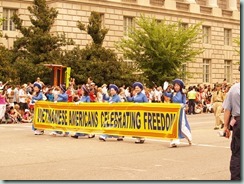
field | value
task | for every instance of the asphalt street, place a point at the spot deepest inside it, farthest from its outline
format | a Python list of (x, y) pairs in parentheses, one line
[(25, 156)]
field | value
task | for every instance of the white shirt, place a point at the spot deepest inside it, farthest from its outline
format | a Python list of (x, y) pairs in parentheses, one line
[(22, 96)]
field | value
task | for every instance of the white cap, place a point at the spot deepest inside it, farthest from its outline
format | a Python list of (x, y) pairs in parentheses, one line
[(27, 110)]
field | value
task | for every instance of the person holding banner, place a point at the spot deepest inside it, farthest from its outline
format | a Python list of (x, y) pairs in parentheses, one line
[(114, 98), (62, 97), (85, 98), (139, 97), (179, 97), (38, 95)]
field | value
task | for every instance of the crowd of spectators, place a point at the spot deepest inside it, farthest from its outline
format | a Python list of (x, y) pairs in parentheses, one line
[(16, 106)]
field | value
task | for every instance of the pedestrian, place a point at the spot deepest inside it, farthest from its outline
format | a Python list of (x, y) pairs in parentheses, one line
[(232, 119), (217, 101), (85, 98), (191, 95), (114, 98), (36, 96), (139, 97), (184, 128)]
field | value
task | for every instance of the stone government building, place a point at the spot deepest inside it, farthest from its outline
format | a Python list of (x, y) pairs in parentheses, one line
[(221, 25)]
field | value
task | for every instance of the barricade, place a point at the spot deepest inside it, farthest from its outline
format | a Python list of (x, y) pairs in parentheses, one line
[(157, 120)]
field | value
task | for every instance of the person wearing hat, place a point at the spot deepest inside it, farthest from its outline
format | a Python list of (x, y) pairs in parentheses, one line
[(114, 98), (37, 95), (179, 97), (85, 98), (139, 97), (62, 97), (217, 102)]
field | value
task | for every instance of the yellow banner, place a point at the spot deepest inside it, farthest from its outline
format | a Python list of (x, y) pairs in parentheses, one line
[(156, 120)]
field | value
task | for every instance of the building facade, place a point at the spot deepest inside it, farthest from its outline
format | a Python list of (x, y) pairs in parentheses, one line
[(220, 26)]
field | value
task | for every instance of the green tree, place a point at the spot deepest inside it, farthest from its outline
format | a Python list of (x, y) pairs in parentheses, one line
[(94, 28), (7, 71), (38, 45), (1, 32), (160, 49), (96, 61)]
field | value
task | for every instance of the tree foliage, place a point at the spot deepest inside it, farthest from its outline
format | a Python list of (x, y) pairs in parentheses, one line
[(1, 22), (94, 28), (38, 45), (7, 71), (160, 49), (96, 61)]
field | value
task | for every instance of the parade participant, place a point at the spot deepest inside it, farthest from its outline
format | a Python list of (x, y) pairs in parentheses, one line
[(231, 107), (62, 97), (85, 98), (50, 95), (179, 97), (37, 95), (217, 101), (114, 98), (139, 97)]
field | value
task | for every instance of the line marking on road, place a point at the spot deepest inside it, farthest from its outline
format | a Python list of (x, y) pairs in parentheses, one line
[(124, 169), (201, 145)]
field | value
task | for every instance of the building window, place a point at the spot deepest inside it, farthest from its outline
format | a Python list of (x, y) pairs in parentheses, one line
[(184, 25), (8, 24), (227, 36), (102, 18), (206, 34), (206, 70), (129, 25), (227, 70), (157, 2)]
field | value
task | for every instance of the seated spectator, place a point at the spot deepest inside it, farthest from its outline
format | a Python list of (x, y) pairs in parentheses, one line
[(198, 108), (27, 118), (14, 115)]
